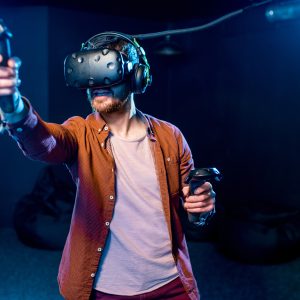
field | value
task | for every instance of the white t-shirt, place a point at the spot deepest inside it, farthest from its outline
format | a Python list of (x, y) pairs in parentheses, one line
[(138, 254)]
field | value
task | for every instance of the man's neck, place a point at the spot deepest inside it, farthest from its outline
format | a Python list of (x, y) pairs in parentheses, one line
[(125, 123)]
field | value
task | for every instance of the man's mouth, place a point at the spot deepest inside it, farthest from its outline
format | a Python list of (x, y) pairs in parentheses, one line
[(102, 92)]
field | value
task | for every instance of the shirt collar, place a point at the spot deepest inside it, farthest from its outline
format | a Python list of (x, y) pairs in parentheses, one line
[(99, 124), (148, 124)]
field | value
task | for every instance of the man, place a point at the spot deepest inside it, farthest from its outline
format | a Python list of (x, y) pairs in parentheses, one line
[(126, 239)]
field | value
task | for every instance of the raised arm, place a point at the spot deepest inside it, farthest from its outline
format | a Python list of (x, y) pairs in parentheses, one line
[(39, 140)]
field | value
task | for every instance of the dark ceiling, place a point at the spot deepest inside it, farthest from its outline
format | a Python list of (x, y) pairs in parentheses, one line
[(171, 10)]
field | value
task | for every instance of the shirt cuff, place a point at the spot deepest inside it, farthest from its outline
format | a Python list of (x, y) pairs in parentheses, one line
[(205, 218), (22, 124)]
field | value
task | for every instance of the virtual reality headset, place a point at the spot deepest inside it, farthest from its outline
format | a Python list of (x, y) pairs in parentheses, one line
[(96, 68), (96, 65)]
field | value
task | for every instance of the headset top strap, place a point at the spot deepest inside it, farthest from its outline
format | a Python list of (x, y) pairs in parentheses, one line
[(107, 37)]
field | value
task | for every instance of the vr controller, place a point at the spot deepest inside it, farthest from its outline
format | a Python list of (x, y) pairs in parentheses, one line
[(6, 102), (96, 68), (195, 179)]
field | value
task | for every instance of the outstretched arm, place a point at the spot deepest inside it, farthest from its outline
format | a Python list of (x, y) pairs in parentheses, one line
[(39, 140)]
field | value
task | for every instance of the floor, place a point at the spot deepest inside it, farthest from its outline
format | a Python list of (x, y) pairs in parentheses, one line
[(30, 274)]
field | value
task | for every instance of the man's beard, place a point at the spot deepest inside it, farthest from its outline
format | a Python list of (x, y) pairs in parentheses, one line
[(112, 107), (118, 94)]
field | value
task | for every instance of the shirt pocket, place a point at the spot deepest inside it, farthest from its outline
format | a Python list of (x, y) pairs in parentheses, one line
[(173, 174)]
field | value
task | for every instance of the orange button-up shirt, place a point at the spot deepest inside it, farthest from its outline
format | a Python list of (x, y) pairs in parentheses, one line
[(83, 145)]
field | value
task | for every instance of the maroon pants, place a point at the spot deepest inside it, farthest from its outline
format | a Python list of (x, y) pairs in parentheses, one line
[(171, 291)]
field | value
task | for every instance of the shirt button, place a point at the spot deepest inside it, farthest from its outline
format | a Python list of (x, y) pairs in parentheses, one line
[(99, 249), (168, 159), (99, 130), (19, 129), (93, 275), (107, 224), (102, 145), (111, 197), (105, 128)]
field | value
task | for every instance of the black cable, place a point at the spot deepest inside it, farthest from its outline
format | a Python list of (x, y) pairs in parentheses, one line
[(198, 28)]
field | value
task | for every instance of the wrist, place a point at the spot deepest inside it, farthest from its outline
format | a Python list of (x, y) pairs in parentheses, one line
[(18, 114), (204, 218)]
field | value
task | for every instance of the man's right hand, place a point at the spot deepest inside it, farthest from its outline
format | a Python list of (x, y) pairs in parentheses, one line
[(9, 81)]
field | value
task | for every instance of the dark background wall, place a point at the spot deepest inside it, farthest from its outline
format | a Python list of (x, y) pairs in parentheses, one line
[(29, 26), (234, 92)]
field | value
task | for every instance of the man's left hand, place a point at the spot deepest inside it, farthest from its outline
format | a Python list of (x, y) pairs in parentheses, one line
[(202, 201)]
